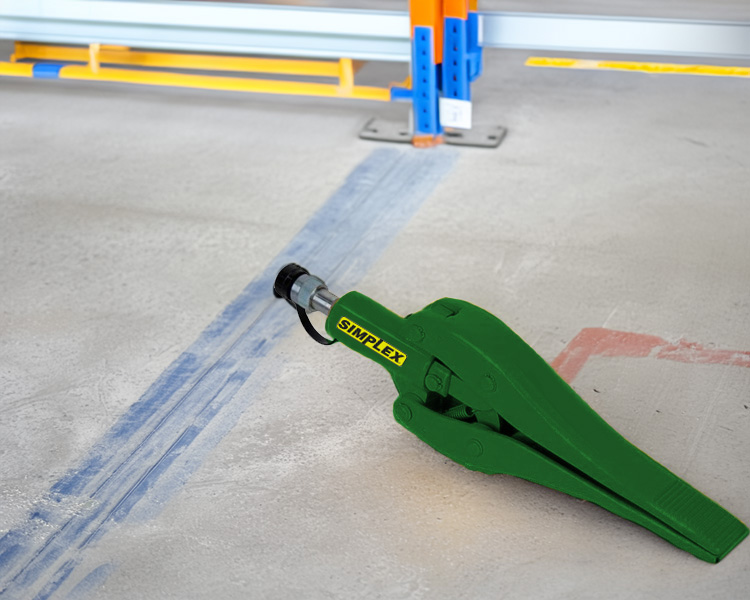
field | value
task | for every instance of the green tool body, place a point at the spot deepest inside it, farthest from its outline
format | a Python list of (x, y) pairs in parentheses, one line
[(476, 392)]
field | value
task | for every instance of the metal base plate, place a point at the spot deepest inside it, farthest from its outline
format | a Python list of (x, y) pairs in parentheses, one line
[(390, 131), (386, 131), (479, 137)]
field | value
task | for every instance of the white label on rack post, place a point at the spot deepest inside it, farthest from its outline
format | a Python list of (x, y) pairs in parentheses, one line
[(455, 113)]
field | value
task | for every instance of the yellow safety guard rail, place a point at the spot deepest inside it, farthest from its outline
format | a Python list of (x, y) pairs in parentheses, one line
[(148, 63)]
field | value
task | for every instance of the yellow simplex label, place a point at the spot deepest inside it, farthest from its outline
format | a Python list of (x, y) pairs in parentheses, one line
[(371, 341)]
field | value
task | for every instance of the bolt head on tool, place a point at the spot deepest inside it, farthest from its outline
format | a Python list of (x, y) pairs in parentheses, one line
[(402, 412)]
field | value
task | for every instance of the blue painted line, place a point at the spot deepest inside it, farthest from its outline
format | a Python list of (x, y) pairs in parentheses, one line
[(154, 447), (90, 583), (46, 70)]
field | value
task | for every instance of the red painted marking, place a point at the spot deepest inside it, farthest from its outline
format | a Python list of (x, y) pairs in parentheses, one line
[(695, 353), (597, 341)]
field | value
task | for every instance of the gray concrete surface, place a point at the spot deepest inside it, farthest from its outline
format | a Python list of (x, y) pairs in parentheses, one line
[(132, 216)]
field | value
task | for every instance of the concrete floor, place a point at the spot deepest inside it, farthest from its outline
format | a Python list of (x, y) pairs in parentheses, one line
[(132, 217)]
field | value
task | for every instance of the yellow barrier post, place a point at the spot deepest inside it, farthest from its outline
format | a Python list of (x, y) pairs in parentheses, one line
[(94, 50), (346, 76)]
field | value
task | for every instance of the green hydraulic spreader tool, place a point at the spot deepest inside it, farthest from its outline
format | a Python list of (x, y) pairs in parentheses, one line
[(476, 392)]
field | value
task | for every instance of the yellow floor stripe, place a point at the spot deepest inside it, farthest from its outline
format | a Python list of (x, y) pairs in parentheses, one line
[(642, 67)]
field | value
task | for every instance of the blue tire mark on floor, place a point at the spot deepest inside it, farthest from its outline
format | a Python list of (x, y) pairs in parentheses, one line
[(90, 582), (164, 436)]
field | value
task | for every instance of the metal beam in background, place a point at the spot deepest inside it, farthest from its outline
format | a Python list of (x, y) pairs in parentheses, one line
[(356, 34), (578, 33), (211, 27)]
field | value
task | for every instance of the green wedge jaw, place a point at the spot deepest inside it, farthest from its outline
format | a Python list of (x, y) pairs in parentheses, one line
[(476, 392)]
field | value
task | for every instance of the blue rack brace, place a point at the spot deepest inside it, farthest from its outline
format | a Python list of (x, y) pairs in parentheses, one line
[(446, 58), (456, 60), (424, 83), (473, 49)]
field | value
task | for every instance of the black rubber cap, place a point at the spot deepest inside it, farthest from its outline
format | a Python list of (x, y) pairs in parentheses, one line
[(282, 287)]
